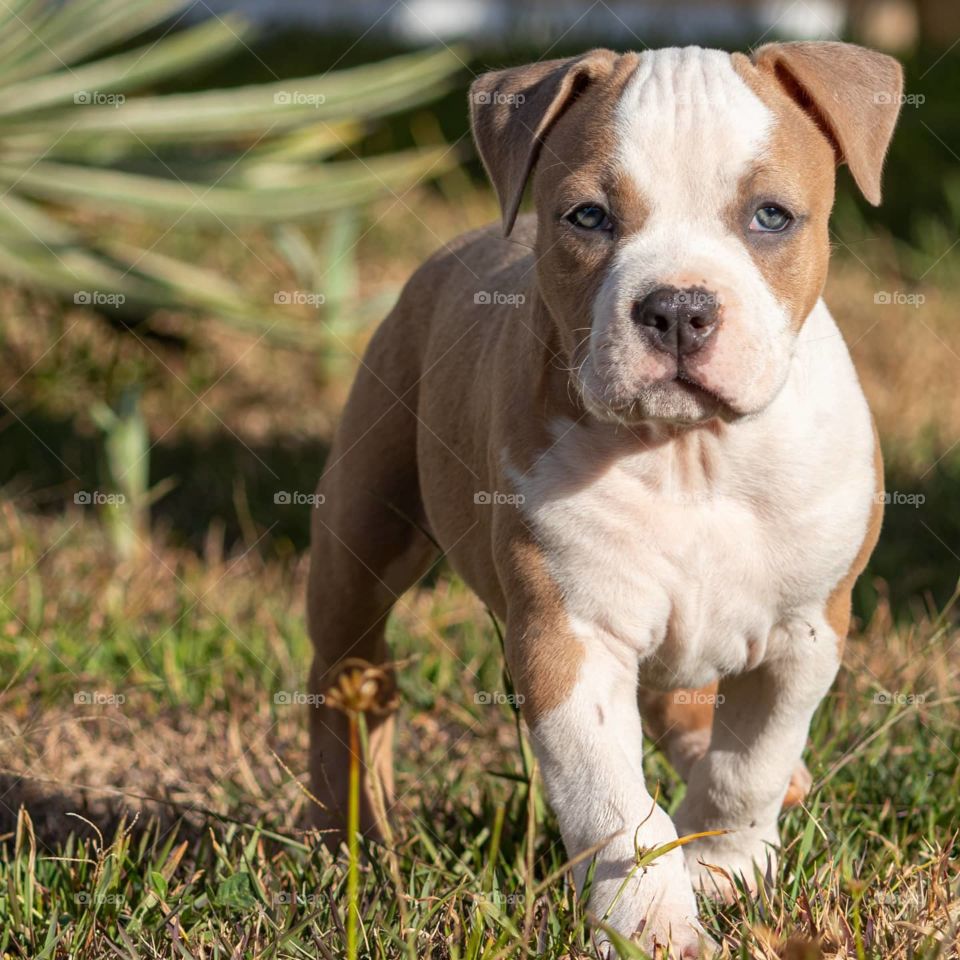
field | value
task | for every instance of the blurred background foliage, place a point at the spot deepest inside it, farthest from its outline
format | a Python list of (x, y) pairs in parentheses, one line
[(82, 140), (201, 221)]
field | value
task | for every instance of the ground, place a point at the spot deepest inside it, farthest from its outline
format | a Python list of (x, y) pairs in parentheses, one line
[(153, 753)]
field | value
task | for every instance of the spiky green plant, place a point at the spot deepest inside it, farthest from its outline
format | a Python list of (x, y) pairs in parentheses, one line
[(80, 138)]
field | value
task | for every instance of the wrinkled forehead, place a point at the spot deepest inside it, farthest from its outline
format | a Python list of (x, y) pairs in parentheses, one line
[(688, 129)]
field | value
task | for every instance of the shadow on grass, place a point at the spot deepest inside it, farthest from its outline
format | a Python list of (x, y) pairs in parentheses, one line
[(918, 556), (217, 480), (56, 813)]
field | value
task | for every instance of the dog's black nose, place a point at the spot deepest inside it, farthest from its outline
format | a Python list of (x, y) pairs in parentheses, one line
[(679, 321)]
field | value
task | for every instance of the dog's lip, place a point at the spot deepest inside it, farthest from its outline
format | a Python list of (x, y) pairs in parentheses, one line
[(623, 408), (682, 380), (722, 409)]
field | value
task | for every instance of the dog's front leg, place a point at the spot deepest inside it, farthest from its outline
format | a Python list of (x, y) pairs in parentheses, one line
[(759, 732), (585, 729)]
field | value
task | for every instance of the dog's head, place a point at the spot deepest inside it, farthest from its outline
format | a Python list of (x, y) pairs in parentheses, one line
[(682, 202)]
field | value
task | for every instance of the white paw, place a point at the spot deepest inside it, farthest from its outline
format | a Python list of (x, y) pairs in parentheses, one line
[(656, 908), (686, 941), (801, 783), (715, 863)]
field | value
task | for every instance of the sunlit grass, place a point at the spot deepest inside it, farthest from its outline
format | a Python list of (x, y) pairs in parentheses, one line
[(216, 864)]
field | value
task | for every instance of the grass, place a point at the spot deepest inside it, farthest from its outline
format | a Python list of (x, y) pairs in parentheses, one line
[(181, 675), (153, 741)]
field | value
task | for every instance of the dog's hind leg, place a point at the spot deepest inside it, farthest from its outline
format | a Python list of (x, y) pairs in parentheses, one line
[(681, 724), (369, 545)]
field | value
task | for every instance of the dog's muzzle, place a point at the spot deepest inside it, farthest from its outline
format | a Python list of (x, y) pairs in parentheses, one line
[(678, 321)]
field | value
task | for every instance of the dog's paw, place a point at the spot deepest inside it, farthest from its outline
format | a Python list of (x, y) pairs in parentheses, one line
[(717, 864), (800, 783), (655, 907), (684, 940)]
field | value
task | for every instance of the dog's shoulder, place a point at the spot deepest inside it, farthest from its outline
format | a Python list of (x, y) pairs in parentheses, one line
[(475, 256)]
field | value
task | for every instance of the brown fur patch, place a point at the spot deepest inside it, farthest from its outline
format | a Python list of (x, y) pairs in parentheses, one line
[(839, 601), (543, 654), (853, 95), (490, 545), (798, 788), (512, 111), (577, 166), (797, 172), (667, 715)]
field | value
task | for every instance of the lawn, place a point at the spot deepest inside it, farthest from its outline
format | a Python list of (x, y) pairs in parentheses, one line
[(153, 754)]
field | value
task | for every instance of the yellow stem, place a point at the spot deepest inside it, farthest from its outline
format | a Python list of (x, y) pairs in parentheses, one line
[(353, 828)]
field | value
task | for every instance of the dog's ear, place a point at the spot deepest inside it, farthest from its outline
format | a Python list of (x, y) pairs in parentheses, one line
[(512, 110), (852, 93)]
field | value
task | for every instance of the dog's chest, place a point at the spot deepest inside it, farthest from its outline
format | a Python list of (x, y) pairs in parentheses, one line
[(691, 553)]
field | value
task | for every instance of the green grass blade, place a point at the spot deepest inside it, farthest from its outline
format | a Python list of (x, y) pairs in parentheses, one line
[(306, 193), (61, 35), (124, 72)]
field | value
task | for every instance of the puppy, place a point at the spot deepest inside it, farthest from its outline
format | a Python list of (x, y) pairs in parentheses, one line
[(635, 430)]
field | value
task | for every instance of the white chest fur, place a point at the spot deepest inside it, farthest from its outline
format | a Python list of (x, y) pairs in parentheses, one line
[(701, 552)]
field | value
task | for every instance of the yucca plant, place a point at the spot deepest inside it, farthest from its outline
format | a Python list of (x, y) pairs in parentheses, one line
[(80, 138)]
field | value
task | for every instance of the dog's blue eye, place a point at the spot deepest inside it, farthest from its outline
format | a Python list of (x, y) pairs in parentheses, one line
[(590, 217), (770, 219)]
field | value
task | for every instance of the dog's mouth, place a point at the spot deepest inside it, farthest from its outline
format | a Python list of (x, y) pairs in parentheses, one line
[(691, 386), (680, 399), (698, 403)]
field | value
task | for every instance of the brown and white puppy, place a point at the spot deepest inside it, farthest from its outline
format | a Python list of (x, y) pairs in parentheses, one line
[(636, 432)]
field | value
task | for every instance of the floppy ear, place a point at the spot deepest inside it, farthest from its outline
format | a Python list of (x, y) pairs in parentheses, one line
[(512, 110), (852, 93)]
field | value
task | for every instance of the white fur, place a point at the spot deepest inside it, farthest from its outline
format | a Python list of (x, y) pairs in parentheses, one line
[(688, 130), (682, 575), (691, 565), (590, 759)]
